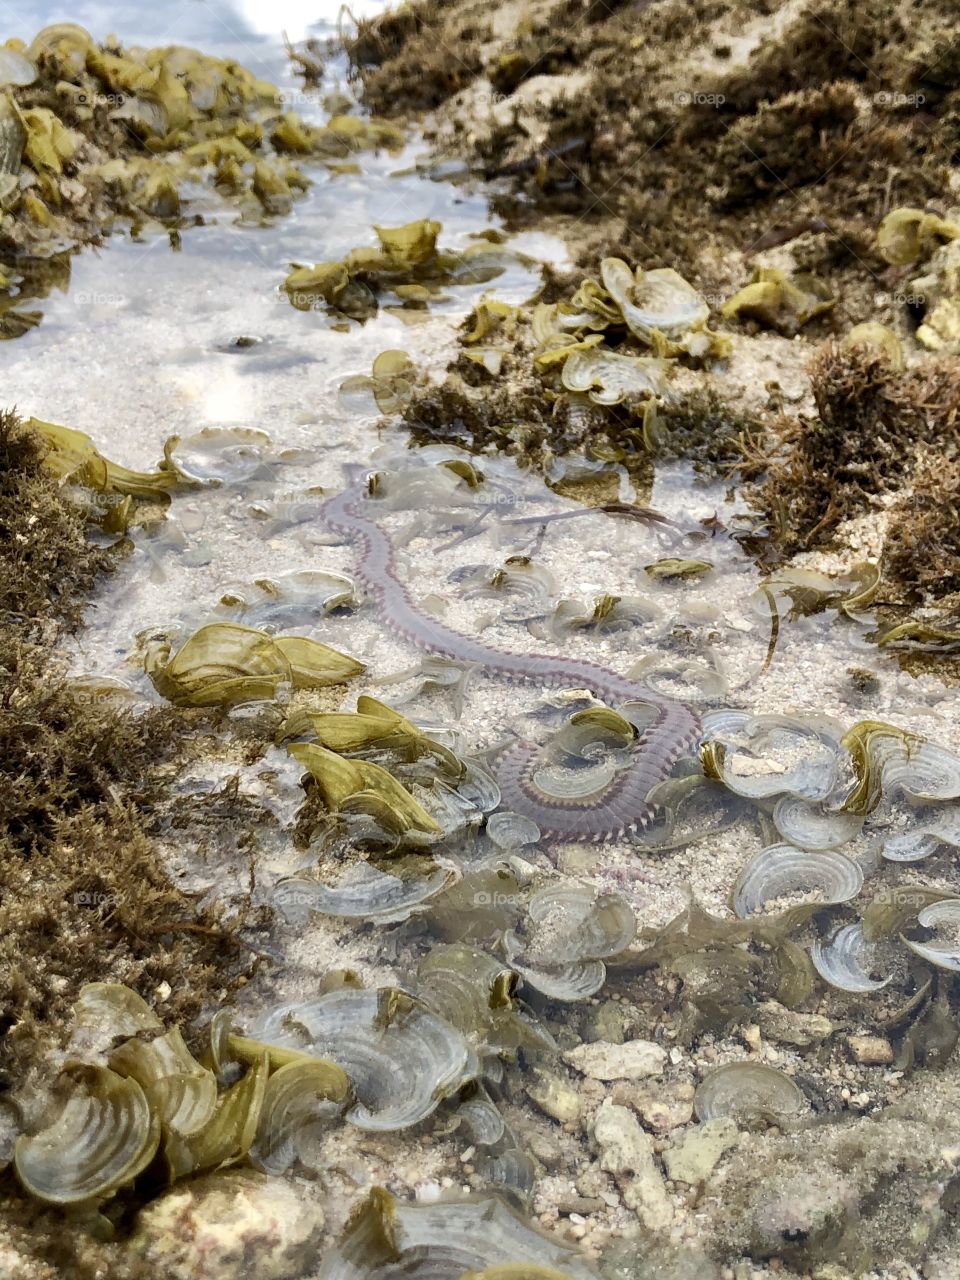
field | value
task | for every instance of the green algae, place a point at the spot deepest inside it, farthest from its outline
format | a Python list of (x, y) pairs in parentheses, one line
[(83, 889)]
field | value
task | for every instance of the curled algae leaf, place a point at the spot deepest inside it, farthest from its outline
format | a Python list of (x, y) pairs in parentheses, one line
[(407, 262), (373, 724), (103, 1138), (224, 664), (113, 1010), (782, 872), (364, 893), (569, 923), (877, 337), (847, 960), (765, 756), (297, 1101), (510, 831), (390, 386), (475, 992), (306, 285), (810, 826), (893, 908), (488, 316), (387, 1239), (924, 773), (293, 599), (779, 301), (749, 1092), (237, 1048), (479, 906), (16, 68), (609, 613), (872, 745), (359, 786), (515, 1271), (218, 455), (810, 592), (658, 301), (73, 456), (401, 1059), (610, 378), (942, 917), (229, 1132), (904, 234), (181, 1092)]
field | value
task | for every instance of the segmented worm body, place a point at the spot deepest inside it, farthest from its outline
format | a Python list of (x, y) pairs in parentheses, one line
[(617, 808)]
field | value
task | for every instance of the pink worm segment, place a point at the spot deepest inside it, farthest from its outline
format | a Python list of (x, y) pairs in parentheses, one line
[(622, 807)]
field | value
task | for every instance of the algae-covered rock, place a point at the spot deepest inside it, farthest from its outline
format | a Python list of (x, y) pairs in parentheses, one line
[(860, 1192), (696, 1153), (230, 1226), (627, 1152), (554, 1096), (90, 132)]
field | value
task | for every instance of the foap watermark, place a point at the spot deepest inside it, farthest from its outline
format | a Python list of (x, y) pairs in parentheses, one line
[(694, 98), (902, 898), (290, 897), (483, 899), (85, 99), (97, 298), (890, 98), (900, 299), (91, 898)]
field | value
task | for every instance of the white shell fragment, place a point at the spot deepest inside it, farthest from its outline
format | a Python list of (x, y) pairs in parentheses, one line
[(780, 871), (846, 960)]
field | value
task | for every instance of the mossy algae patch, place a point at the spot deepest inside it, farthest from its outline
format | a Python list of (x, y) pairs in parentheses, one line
[(692, 137), (83, 894)]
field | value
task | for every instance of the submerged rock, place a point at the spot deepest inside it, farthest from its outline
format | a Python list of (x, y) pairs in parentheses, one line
[(696, 1153), (627, 1153), (554, 1096), (230, 1226), (633, 1060)]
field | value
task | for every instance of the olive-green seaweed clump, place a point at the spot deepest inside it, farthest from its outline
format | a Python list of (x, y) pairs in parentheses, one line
[(83, 896), (922, 548), (402, 61), (871, 422)]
